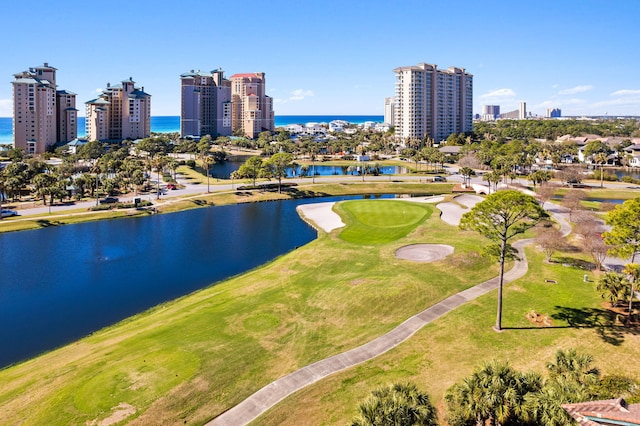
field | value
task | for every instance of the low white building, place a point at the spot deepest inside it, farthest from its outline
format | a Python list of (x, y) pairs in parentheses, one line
[(294, 128), (336, 126)]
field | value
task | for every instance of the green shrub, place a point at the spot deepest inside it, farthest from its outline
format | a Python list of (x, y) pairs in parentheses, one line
[(191, 163), (629, 179), (609, 177)]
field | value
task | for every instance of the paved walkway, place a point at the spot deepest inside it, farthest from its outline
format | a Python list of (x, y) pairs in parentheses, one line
[(252, 407)]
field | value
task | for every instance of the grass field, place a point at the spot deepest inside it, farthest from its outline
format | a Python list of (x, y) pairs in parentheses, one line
[(191, 359), (195, 357)]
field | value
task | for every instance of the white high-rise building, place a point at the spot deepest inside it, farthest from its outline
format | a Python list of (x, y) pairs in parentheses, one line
[(432, 103), (389, 110)]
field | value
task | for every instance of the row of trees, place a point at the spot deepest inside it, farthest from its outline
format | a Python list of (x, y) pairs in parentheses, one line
[(552, 129), (273, 168), (505, 214), (496, 394)]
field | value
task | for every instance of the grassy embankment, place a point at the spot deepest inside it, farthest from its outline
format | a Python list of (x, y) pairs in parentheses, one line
[(176, 203), (69, 217)]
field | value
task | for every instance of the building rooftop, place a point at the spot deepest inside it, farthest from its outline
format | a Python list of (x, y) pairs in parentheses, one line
[(138, 94), (97, 101), (604, 412), (247, 75)]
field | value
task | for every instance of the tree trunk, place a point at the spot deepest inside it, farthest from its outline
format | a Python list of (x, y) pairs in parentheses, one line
[(503, 250)]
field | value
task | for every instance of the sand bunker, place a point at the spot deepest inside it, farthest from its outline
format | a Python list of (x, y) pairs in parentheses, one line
[(321, 215), (424, 252), (452, 212)]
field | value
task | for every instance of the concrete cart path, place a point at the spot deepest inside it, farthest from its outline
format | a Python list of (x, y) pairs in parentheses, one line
[(265, 398)]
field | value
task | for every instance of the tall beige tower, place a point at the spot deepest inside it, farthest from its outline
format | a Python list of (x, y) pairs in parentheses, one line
[(432, 103), (122, 111), (251, 108), (67, 116), (36, 116)]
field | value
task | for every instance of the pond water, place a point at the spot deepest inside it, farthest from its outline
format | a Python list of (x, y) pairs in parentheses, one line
[(59, 284), (224, 170), (635, 173)]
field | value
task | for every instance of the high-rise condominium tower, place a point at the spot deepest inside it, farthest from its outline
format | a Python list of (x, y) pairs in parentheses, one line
[(432, 103), (42, 115), (122, 111), (390, 110), (251, 108), (205, 104)]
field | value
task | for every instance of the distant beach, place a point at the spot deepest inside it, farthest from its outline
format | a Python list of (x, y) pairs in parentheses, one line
[(169, 124)]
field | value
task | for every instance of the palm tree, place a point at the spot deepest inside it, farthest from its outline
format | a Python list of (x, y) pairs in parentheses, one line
[(398, 404), (613, 287), (207, 161), (573, 367), (601, 159), (495, 393), (158, 162), (466, 173)]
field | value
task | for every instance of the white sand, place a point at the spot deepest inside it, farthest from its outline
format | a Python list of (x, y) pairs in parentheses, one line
[(321, 215), (452, 212)]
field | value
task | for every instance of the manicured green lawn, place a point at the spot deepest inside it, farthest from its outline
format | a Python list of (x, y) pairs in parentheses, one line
[(381, 222), (193, 358), (196, 357)]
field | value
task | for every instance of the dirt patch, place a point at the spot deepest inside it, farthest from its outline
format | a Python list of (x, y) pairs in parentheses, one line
[(541, 320), (424, 252), (120, 412)]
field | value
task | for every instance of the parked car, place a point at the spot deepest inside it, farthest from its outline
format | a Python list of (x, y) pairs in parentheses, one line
[(439, 179), (171, 186), (109, 200), (8, 213)]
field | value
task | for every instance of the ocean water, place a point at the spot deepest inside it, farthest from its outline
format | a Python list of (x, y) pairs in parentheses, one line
[(169, 124)]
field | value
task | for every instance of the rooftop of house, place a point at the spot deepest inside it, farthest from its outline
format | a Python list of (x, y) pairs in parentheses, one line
[(604, 412)]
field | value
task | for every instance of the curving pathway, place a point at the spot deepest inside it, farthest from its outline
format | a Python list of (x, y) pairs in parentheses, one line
[(265, 398)]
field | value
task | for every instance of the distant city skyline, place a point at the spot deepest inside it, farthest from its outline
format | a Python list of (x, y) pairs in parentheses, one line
[(328, 57)]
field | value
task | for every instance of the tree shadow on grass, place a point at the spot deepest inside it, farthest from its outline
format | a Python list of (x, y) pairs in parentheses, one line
[(602, 320), (575, 263)]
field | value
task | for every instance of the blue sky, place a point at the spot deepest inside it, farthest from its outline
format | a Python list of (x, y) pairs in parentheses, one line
[(336, 57)]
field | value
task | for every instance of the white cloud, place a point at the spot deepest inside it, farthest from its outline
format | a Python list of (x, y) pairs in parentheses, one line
[(300, 94), (500, 93), (574, 90), (625, 92), (618, 102), (6, 108), (545, 104)]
